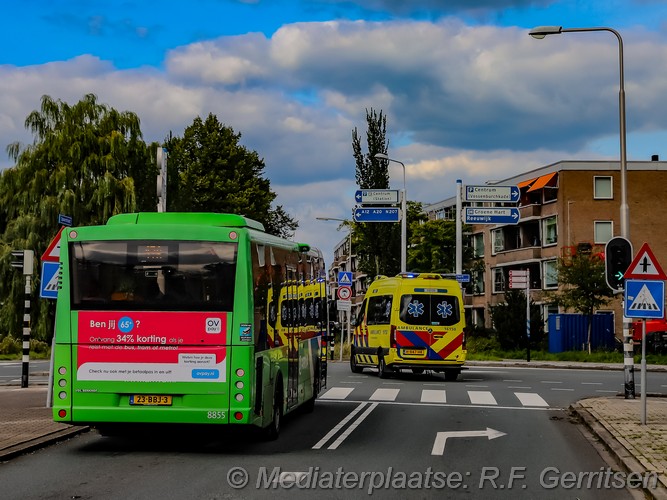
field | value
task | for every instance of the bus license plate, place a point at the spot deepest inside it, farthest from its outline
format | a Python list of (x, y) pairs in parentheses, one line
[(150, 400), (413, 352)]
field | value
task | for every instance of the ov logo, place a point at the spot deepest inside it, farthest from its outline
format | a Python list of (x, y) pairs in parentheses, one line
[(213, 325)]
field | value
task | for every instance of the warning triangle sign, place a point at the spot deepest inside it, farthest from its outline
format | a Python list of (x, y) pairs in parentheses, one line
[(645, 266), (52, 253)]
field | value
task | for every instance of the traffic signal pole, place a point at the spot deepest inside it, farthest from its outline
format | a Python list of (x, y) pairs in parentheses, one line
[(24, 259), (618, 257)]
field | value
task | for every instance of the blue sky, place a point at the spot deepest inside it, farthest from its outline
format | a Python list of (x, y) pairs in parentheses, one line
[(468, 94)]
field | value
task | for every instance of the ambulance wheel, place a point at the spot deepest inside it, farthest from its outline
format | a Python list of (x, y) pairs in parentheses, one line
[(451, 375), (353, 363), (383, 371), (417, 371)]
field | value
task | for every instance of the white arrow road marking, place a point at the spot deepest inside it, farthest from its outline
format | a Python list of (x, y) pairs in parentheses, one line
[(441, 438)]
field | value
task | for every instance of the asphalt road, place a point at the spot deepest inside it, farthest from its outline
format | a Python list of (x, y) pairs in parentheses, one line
[(498, 432)]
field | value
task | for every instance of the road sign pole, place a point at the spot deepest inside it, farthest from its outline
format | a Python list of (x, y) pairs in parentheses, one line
[(643, 374), (459, 227), (528, 315)]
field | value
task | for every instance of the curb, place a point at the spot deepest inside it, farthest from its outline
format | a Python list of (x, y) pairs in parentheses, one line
[(40, 442), (620, 453)]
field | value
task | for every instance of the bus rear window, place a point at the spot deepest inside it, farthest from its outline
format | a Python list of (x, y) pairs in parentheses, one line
[(430, 310), (153, 275)]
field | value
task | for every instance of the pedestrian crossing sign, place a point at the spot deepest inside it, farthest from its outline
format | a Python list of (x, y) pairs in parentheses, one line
[(344, 278), (49, 285), (644, 299)]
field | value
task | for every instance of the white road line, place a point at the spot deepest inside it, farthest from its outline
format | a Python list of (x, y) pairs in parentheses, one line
[(349, 382), (530, 399), (601, 390), (349, 430), (340, 425), (512, 380), (591, 383), (385, 395), (519, 387), (449, 405), (337, 393), (476, 385), (433, 396), (561, 389), (551, 382), (482, 398)]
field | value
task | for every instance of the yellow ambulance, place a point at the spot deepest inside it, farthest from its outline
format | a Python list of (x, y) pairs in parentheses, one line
[(413, 321)]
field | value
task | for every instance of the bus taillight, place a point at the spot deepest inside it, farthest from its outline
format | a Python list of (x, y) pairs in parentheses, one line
[(238, 415), (62, 413)]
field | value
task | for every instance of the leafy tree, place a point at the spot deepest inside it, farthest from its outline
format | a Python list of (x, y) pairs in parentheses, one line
[(582, 286), (379, 244), (210, 171), (84, 161), (509, 321), (433, 245)]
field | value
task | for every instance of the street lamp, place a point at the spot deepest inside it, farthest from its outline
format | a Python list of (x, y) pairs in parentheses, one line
[(542, 31), (404, 215), (539, 33), (349, 313)]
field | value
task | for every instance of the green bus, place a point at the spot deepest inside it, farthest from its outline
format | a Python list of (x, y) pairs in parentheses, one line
[(186, 318)]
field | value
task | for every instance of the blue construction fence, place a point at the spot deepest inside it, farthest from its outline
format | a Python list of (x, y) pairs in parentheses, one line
[(569, 332)]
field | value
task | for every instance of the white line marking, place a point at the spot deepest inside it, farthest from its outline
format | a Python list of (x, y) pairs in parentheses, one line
[(349, 430), (476, 385), (561, 389), (337, 393), (339, 426), (433, 396), (551, 382), (530, 399), (513, 380), (519, 387), (385, 395), (441, 438), (482, 398), (603, 390), (449, 405), (591, 383)]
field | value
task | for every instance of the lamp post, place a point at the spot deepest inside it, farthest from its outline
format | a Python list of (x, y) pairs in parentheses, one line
[(349, 313), (539, 33), (404, 210)]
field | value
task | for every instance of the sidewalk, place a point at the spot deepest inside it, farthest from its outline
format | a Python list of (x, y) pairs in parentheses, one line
[(26, 424)]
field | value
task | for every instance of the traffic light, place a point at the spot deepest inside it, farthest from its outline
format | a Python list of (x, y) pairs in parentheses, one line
[(617, 259), (23, 259)]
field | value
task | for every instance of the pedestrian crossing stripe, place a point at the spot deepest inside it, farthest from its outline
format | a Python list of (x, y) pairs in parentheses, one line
[(430, 396), (644, 298)]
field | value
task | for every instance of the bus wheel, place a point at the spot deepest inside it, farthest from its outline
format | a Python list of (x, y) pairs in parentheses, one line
[(383, 371), (273, 430), (353, 363), (451, 375)]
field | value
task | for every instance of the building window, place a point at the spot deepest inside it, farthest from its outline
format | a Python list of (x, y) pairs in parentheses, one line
[(602, 188), (550, 231), (550, 271), (478, 245), (604, 230), (498, 280), (498, 241), (478, 282)]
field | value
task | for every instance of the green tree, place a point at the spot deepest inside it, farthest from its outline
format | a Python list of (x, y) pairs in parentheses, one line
[(582, 286), (509, 321), (378, 245), (210, 171), (84, 161)]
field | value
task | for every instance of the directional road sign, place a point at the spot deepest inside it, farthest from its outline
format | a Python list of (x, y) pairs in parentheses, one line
[(376, 196), (644, 298), (509, 194), (491, 215), (376, 214), (463, 278), (49, 286)]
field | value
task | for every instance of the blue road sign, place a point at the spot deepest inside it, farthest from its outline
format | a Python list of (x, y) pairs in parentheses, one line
[(644, 298), (344, 278), (376, 215), (49, 286), (463, 278), (492, 215), (508, 194), (65, 220), (376, 196)]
